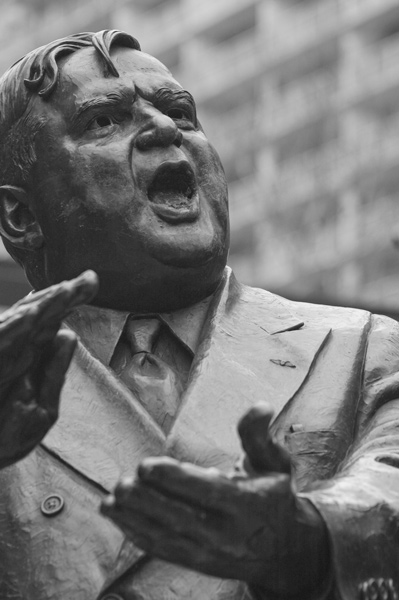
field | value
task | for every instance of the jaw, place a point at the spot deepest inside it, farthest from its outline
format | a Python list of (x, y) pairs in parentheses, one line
[(160, 277), (164, 290), (194, 245), (174, 275)]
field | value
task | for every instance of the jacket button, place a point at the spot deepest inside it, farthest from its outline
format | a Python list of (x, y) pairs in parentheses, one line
[(296, 428), (52, 505)]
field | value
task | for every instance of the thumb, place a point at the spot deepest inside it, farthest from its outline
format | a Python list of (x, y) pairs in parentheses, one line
[(262, 453)]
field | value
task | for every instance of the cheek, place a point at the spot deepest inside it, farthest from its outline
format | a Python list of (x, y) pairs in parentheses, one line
[(209, 168), (101, 177), (203, 153), (214, 185)]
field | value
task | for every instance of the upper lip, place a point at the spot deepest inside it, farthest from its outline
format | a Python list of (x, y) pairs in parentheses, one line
[(176, 177)]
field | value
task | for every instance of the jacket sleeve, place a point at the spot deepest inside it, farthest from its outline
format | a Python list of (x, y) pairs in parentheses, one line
[(360, 504)]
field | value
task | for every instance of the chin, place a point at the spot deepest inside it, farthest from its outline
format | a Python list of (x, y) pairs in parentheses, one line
[(189, 258), (189, 246), (186, 268), (162, 287)]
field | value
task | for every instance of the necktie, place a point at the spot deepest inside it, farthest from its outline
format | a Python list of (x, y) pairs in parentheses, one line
[(156, 384)]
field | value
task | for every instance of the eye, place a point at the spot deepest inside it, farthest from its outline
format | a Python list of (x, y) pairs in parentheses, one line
[(178, 114), (100, 122)]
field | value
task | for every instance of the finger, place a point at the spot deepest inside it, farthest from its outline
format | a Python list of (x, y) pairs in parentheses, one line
[(202, 487), (264, 455), (155, 537), (24, 423), (54, 371), (81, 286), (88, 280), (15, 330), (139, 500), (165, 543), (31, 360), (30, 410), (63, 297), (37, 317)]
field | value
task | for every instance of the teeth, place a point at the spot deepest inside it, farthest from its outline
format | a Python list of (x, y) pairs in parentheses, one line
[(173, 180)]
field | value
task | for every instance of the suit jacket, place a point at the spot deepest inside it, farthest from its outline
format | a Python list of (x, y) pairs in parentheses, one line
[(331, 375)]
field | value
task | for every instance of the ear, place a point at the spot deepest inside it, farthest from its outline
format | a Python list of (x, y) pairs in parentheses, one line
[(18, 224)]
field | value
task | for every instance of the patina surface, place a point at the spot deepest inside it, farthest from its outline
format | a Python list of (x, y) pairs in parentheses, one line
[(104, 166)]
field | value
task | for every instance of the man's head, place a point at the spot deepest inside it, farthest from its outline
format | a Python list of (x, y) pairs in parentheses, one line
[(104, 165)]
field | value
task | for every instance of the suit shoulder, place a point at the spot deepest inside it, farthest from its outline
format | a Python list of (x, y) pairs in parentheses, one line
[(335, 316)]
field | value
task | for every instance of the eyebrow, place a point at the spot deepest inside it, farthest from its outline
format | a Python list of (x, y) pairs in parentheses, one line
[(115, 98), (165, 95)]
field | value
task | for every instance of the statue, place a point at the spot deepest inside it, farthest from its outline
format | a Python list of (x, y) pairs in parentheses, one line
[(105, 167)]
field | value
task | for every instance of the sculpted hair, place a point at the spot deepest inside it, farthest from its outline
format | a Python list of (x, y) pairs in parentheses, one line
[(37, 74)]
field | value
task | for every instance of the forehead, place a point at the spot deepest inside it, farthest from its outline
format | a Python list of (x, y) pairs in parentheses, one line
[(83, 76)]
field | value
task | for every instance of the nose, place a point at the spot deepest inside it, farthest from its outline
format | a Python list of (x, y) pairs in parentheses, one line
[(158, 130)]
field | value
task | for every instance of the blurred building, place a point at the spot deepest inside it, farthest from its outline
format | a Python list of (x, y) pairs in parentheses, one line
[(301, 98)]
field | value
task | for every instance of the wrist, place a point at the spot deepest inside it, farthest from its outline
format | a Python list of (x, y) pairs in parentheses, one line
[(313, 567), (306, 572)]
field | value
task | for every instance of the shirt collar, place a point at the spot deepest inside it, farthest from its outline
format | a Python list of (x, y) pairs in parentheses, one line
[(99, 329)]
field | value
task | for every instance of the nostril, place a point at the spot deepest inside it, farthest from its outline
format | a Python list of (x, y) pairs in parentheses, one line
[(178, 139), (159, 134)]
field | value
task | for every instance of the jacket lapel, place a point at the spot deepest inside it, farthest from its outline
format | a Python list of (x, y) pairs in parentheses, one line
[(253, 349), (103, 432)]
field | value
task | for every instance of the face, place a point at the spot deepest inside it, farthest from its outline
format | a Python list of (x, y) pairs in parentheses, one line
[(127, 184)]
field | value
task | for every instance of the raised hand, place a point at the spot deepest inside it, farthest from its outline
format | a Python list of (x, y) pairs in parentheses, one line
[(34, 357), (249, 526)]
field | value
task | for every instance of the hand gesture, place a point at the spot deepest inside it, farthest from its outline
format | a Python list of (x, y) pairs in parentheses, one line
[(249, 526), (34, 357)]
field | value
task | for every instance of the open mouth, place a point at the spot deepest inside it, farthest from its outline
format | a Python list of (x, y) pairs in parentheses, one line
[(173, 192)]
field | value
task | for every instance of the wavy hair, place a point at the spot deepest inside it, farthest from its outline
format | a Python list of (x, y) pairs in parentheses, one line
[(37, 73), (45, 61)]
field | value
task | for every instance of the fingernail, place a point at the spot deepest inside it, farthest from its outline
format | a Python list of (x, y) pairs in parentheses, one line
[(124, 489), (108, 503), (144, 470), (88, 277), (89, 274), (154, 467)]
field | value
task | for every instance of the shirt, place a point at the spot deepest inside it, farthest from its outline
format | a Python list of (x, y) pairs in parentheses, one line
[(100, 329)]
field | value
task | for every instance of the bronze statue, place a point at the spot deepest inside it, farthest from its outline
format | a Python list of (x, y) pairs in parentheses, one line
[(104, 166)]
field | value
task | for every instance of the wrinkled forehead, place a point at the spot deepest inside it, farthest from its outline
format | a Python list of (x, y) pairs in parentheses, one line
[(83, 76)]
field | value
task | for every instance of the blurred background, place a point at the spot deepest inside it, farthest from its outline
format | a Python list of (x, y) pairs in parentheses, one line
[(301, 99)]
